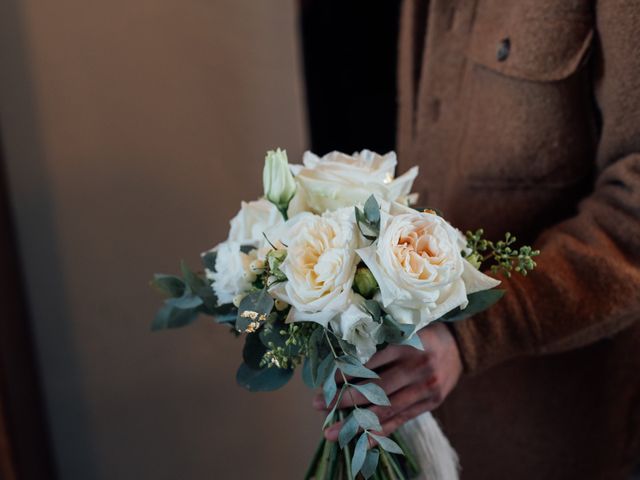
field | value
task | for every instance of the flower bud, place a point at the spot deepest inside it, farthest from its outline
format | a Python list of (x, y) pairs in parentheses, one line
[(364, 282), (475, 260), (279, 185), (275, 259), (237, 299), (280, 305)]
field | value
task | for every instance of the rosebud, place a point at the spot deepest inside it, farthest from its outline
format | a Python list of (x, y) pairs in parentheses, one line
[(279, 185), (365, 283)]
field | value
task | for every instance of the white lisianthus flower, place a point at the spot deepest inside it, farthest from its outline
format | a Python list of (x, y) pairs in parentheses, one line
[(338, 180), (279, 185), (356, 326), (233, 273), (252, 221), (418, 265), (320, 265)]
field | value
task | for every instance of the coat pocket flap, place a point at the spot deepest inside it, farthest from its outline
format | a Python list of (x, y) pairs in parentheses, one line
[(531, 45)]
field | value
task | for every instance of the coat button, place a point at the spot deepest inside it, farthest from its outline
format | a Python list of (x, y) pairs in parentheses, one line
[(503, 49)]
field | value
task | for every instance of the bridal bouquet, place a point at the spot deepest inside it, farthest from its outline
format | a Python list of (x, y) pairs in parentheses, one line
[(331, 266)]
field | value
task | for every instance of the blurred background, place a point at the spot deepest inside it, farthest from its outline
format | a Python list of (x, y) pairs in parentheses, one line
[(131, 130)]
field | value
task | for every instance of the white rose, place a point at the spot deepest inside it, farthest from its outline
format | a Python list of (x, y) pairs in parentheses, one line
[(253, 219), (356, 326), (233, 273), (419, 268), (338, 180), (320, 265)]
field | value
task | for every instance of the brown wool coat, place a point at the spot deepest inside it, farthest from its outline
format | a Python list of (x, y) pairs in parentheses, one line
[(544, 142)]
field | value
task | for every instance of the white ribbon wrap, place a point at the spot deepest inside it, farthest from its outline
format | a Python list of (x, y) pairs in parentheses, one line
[(435, 456)]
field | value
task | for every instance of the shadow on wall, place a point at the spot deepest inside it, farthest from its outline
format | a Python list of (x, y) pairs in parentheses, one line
[(63, 385), (134, 128)]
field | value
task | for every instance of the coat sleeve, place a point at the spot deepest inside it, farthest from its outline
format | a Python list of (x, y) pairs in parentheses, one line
[(587, 283)]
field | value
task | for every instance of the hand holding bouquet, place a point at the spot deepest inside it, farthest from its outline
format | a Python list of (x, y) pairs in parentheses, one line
[(330, 267)]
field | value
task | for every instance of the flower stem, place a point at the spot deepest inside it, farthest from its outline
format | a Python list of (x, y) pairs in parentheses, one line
[(314, 462)]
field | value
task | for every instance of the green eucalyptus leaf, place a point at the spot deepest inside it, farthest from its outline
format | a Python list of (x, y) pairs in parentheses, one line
[(353, 367), (253, 351), (387, 444), (254, 310), (225, 314), (414, 341), (370, 463), (329, 419), (347, 347), (359, 454), (374, 393), (191, 279), (169, 285), (209, 260), (264, 379), (372, 211), (172, 317), (394, 332), (307, 378), (325, 369), (348, 430), (313, 353), (186, 301), (367, 419), (329, 387), (374, 309), (478, 302)]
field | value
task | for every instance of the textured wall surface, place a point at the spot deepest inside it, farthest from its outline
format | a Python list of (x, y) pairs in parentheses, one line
[(133, 128)]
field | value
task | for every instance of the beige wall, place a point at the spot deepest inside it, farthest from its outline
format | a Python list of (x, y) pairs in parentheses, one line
[(133, 129)]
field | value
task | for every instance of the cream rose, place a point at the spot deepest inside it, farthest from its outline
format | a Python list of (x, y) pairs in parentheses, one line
[(338, 180), (253, 219), (418, 265), (320, 265)]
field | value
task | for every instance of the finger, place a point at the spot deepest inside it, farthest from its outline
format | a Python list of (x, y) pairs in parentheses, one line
[(410, 413), (391, 381), (405, 398), (384, 356), (331, 433), (400, 402)]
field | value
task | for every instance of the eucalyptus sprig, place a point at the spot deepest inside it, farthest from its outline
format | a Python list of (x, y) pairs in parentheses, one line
[(505, 257)]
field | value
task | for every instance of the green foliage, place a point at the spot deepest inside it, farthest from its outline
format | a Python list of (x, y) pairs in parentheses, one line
[(263, 379), (274, 261), (367, 419), (359, 454), (387, 444), (353, 367), (478, 302), (169, 285), (505, 258), (374, 393), (329, 387), (173, 317), (394, 332), (370, 463), (348, 430), (187, 297), (254, 310), (253, 351), (368, 219)]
